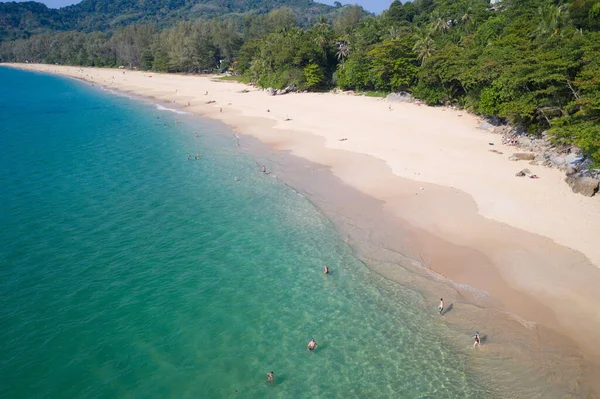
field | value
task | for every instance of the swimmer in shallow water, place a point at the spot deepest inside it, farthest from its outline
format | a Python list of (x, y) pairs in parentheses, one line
[(270, 377), (326, 270), (312, 345)]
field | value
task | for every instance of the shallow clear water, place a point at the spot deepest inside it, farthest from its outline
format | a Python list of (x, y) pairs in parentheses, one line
[(128, 271)]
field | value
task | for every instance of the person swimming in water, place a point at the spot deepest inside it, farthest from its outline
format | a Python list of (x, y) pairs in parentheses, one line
[(312, 345), (477, 339), (326, 270), (441, 307), (270, 377), (189, 157), (263, 169)]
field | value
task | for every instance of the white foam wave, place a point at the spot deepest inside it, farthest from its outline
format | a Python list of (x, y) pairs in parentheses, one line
[(175, 111)]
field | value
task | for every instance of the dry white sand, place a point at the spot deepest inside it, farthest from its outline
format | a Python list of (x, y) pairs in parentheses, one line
[(547, 244)]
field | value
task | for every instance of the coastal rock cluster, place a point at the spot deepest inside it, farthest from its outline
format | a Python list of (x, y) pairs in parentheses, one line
[(581, 176), (288, 89), (400, 97)]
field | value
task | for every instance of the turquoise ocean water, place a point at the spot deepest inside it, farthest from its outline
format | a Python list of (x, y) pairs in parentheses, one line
[(128, 271)]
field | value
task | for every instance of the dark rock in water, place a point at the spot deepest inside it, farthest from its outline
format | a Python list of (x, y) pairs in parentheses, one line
[(583, 185), (522, 156)]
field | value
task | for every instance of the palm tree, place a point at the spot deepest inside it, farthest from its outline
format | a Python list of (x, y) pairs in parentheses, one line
[(424, 46), (321, 32), (394, 33), (551, 19), (439, 23), (468, 20), (343, 52)]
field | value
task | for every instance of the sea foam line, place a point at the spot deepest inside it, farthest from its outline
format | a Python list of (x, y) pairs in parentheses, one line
[(176, 111)]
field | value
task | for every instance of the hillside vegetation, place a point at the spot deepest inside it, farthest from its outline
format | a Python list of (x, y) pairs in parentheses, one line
[(533, 63), (21, 20)]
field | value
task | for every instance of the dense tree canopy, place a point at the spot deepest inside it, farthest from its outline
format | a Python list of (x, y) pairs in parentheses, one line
[(534, 63)]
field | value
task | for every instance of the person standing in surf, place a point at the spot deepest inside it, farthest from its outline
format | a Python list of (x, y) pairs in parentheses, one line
[(477, 339), (441, 307)]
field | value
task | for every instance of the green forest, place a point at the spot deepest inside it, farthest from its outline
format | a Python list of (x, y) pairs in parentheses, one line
[(532, 63)]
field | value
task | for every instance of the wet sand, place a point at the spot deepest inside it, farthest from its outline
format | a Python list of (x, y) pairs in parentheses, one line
[(532, 296)]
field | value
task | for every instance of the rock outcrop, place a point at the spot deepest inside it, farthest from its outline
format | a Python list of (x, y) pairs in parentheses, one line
[(587, 186), (400, 97), (522, 156)]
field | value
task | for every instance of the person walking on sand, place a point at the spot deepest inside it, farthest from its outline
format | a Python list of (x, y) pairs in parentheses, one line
[(477, 339), (270, 377), (441, 307), (312, 345)]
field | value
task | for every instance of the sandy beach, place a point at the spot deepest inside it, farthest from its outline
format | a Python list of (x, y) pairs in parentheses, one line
[(532, 245)]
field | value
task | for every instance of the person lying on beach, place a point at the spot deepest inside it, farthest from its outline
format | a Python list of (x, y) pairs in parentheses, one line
[(441, 307), (477, 339), (534, 177), (312, 345), (326, 270), (270, 377)]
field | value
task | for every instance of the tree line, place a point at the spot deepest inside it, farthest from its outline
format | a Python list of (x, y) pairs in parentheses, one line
[(533, 63)]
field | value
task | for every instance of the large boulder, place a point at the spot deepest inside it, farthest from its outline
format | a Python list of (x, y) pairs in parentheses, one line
[(485, 125), (401, 97), (522, 156), (573, 159), (288, 89), (583, 185)]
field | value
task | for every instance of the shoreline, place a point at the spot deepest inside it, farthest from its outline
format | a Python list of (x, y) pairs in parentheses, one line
[(440, 226)]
